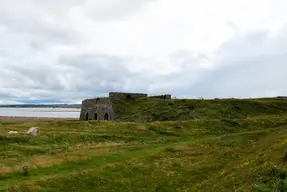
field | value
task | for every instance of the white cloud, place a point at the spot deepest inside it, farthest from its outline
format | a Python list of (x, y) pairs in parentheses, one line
[(70, 50)]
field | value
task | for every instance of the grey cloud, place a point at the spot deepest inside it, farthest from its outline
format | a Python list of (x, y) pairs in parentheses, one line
[(244, 70), (183, 83), (39, 23), (104, 73), (40, 77), (31, 68), (87, 75), (251, 66), (114, 9)]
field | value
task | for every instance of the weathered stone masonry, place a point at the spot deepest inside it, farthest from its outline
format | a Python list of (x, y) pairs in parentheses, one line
[(102, 108), (119, 95), (97, 109)]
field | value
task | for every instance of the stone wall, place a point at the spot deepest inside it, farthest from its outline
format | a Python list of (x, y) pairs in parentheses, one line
[(161, 96), (97, 109), (120, 95), (103, 100)]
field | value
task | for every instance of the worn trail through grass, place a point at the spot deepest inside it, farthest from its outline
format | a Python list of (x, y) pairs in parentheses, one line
[(126, 153)]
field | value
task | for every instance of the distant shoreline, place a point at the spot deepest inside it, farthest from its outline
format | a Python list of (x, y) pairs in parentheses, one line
[(41, 106), (18, 118)]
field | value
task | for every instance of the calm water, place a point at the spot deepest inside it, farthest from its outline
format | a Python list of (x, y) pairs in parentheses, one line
[(41, 112)]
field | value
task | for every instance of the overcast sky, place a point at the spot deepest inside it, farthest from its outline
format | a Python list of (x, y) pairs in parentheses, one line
[(68, 50)]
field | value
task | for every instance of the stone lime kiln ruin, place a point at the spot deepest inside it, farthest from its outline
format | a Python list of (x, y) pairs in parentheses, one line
[(104, 108)]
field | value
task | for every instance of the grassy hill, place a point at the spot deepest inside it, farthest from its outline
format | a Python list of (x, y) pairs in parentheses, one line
[(147, 109), (225, 145)]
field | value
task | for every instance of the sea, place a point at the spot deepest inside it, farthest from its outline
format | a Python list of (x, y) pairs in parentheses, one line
[(40, 112)]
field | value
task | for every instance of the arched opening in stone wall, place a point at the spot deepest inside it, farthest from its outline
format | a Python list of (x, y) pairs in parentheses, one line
[(87, 116), (106, 117), (96, 116)]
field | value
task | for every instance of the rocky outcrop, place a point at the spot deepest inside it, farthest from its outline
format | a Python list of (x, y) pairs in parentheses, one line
[(33, 131)]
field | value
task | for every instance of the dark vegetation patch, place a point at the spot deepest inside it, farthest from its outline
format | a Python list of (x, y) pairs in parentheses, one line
[(4, 139), (238, 140), (161, 130)]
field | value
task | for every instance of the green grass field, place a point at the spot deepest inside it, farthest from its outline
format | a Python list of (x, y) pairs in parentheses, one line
[(238, 153)]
